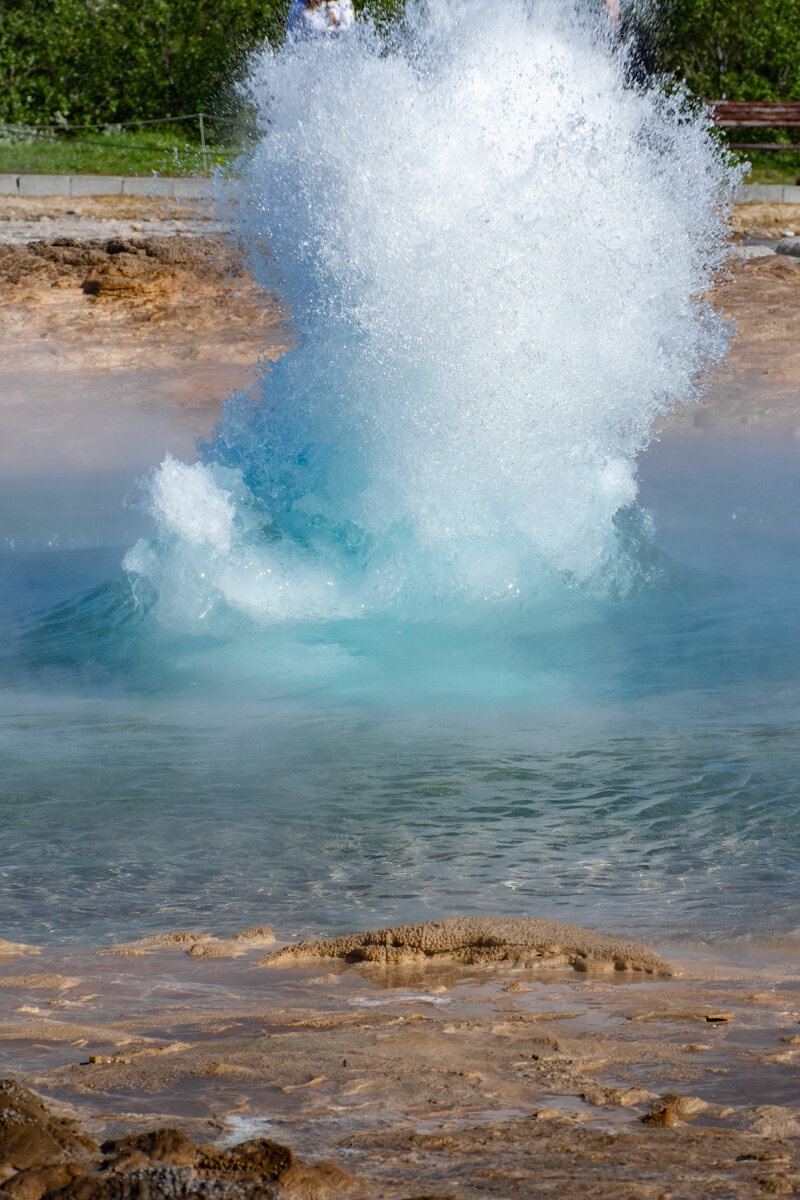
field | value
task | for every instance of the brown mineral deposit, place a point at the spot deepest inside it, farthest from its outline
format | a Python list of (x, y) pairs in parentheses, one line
[(524, 940)]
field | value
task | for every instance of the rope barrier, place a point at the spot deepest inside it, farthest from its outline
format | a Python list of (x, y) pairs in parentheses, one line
[(63, 126), (116, 124)]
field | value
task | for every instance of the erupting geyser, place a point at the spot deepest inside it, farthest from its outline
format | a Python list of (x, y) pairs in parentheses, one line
[(494, 254), (448, 665)]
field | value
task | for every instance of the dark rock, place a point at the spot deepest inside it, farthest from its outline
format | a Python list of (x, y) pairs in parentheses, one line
[(158, 1183), (121, 246), (790, 246)]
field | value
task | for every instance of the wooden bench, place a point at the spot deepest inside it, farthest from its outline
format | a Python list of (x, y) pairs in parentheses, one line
[(756, 114)]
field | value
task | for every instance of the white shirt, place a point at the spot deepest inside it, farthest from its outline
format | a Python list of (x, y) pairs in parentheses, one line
[(332, 16)]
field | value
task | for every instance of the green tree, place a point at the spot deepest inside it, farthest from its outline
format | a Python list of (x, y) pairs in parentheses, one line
[(732, 49), (118, 60)]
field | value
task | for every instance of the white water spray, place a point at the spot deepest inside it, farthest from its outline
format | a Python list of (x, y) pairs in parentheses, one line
[(494, 255)]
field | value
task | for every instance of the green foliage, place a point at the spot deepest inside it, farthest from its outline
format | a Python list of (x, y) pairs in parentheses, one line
[(384, 13), (732, 49), (118, 60)]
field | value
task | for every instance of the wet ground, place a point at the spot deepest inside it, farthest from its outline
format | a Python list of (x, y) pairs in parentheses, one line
[(465, 1080)]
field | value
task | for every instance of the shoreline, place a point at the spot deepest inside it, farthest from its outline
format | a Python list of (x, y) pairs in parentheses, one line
[(423, 1075)]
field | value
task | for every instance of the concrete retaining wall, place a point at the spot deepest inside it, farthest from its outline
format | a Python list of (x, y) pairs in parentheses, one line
[(192, 187), (189, 187)]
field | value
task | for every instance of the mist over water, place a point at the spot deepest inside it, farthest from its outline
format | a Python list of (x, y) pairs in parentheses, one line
[(434, 624), (494, 255)]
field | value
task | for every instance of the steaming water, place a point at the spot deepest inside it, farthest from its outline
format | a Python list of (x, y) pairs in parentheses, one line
[(428, 628)]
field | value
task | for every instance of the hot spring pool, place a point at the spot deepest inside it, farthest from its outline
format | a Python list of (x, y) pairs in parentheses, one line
[(627, 764), (433, 626)]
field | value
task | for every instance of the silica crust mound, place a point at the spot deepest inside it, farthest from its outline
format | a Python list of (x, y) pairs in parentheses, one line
[(525, 941)]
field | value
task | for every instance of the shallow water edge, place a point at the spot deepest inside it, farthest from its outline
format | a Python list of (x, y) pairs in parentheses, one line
[(408, 1076)]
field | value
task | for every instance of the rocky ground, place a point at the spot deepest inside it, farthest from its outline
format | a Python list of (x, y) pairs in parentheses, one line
[(125, 284), (27, 218), (457, 1059), (759, 386), (171, 303), (46, 1155), (152, 291)]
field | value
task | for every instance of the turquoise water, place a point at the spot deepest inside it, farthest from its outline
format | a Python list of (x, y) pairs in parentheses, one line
[(431, 626), (630, 765)]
